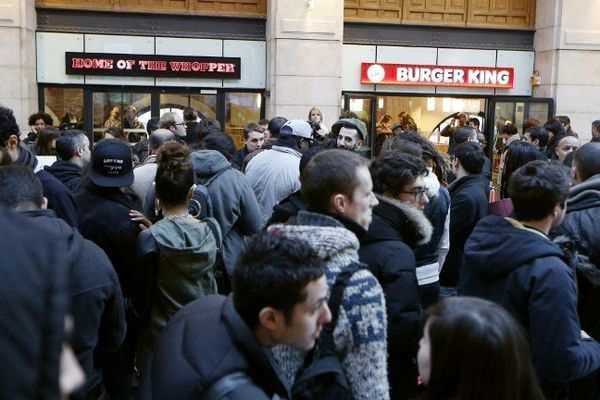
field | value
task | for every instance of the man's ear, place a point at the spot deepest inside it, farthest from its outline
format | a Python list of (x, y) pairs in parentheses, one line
[(359, 144), (338, 203), (536, 142), (44, 203), (268, 318)]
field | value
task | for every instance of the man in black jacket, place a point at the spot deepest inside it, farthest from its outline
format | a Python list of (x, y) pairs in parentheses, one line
[(60, 199), (73, 150), (398, 225), (96, 300), (279, 296), (513, 263), (104, 218), (467, 206)]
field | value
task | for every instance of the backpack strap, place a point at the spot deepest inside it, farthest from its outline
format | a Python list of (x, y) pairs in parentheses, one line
[(216, 231), (326, 344), (225, 385)]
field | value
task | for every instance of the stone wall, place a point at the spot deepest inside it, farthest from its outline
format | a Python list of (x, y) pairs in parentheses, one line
[(17, 59)]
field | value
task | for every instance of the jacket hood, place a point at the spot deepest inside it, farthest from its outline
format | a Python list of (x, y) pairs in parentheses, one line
[(64, 169), (207, 163), (187, 245), (399, 219), (499, 245), (585, 195)]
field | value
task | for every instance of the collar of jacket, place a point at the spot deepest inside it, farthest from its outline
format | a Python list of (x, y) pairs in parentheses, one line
[(151, 159), (464, 181), (244, 339), (351, 225), (413, 225), (285, 148), (585, 195), (113, 194)]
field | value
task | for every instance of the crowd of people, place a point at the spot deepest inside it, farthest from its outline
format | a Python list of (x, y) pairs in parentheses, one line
[(181, 267)]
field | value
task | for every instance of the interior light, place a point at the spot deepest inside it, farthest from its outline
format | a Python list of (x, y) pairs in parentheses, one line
[(380, 103), (431, 104), (356, 105), (258, 100), (446, 105)]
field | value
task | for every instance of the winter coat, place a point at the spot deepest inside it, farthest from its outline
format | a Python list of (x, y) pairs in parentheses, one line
[(144, 177), (581, 224), (104, 219), (360, 333), (68, 173), (387, 250), (234, 205), (34, 303), (274, 175), (96, 299), (468, 205), (523, 271), (175, 267), (202, 343)]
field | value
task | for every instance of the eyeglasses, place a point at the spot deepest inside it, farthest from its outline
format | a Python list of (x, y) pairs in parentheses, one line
[(181, 123), (418, 193)]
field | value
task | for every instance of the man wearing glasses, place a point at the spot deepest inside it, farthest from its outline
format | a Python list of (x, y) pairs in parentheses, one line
[(173, 122), (468, 205), (397, 227)]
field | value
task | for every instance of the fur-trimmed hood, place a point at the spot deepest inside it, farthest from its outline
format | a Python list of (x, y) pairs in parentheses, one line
[(394, 220)]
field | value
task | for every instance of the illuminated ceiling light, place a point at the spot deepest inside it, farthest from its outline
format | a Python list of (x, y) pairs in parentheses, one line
[(431, 104), (356, 105), (380, 103), (446, 105)]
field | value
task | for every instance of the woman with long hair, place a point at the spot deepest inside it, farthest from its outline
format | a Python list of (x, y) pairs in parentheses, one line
[(473, 349), (45, 144), (176, 255)]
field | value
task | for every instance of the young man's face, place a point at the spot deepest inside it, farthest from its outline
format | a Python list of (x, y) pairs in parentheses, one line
[(39, 125), (349, 139), (360, 207), (415, 194), (307, 318), (255, 141), (527, 138)]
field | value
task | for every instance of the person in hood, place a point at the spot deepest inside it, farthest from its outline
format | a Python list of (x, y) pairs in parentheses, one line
[(398, 225), (176, 255), (60, 199), (215, 343), (73, 150), (513, 263), (467, 206)]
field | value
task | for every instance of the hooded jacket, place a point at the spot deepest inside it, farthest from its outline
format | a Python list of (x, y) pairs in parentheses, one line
[(175, 267), (202, 343), (68, 173), (468, 205), (522, 270), (360, 333), (387, 250), (234, 205), (581, 224)]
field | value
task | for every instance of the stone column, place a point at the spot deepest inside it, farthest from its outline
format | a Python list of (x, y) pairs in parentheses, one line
[(304, 57), (17, 59), (567, 56)]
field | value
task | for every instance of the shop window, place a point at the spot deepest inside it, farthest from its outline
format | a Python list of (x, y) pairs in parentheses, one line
[(240, 109), (65, 106), (205, 105), (128, 111)]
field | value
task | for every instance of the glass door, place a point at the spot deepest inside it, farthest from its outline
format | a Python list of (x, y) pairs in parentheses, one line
[(364, 106)]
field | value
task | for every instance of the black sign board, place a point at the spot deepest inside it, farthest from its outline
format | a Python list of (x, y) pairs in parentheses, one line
[(106, 64)]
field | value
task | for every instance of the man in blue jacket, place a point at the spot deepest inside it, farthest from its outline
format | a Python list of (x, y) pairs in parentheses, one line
[(512, 262)]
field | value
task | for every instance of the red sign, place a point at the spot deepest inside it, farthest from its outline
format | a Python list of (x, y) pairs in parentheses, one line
[(436, 75)]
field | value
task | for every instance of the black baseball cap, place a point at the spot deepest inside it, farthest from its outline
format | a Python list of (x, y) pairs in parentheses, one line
[(111, 164)]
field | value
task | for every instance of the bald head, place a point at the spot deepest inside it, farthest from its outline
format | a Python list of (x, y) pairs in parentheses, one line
[(567, 145), (158, 138)]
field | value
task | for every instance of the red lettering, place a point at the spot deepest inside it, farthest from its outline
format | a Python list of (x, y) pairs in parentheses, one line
[(186, 66), (77, 63), (143, 64), (212, 67), (195, 66), (175, 65), (221, 67), (230, 68)]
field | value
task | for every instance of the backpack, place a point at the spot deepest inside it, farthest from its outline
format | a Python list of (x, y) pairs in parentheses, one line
[(322, 376)]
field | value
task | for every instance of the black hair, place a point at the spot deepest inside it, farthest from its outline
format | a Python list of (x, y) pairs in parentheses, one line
[(309, 154), (537, 187), (67, 143), (220, 142), (152, 125), (174, 175), (20, 188), (463, 134), (190, 114), (470, 156), (477, 350), (540, 134), (205, 127), (596, 124), (273, 271), (441, 162), (587, 160), (116, 133), (509, 129), (474, 121), (252, 126), (8, 126), (553, 125), (328, 173), (403, 145), (43, 116), (393, 171), (43, 141), (264, 121), (517, 154), (275, 125)]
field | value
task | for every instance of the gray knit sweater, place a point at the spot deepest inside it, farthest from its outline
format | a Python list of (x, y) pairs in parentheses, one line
[(360, 333)]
